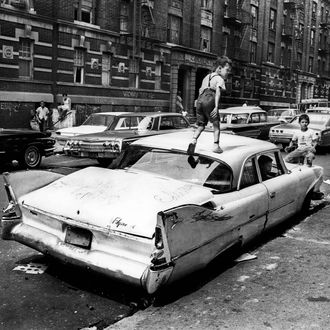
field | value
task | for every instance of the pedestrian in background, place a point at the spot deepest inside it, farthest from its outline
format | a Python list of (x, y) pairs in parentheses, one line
[(178, 103), (207, 108), (305, 140), (42, 114), (64, 107)]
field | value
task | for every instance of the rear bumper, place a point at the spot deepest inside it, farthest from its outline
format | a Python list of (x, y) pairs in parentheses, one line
[(114, 266), (90, 154)]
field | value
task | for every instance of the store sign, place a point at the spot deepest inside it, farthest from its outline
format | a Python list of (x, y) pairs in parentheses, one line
[(7, 52)]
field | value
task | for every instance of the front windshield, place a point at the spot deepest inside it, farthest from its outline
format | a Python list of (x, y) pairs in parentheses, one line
[(199, 170), (277, 112), (99, 120)]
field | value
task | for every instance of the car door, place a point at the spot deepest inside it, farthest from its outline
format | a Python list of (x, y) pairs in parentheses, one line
[(281, 187)]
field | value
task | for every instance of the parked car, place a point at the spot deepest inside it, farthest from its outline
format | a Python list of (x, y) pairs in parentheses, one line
[(106, 146), (318, 110), (320, 122), (283, 115), (250, 121), (162, 214), (26, 146), (100, 122)]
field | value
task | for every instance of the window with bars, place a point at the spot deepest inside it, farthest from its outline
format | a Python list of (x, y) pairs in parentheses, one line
[(254, 16), (310, 64), (79, 65), (205, 40), (106, 69), (83, 11), (174, 29), (134, 69), (25, 55)]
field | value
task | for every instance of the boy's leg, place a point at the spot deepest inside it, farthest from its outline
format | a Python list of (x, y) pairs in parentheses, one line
[(294, 157), (216, 133), (309, 157)]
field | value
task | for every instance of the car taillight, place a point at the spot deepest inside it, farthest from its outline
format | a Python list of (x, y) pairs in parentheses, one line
[(159, 239)]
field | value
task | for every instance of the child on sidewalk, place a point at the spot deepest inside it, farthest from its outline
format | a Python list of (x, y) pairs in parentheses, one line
[(208, 103), (306, 140)]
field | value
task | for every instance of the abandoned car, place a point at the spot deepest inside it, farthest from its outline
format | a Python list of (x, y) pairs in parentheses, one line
[(161, 214)]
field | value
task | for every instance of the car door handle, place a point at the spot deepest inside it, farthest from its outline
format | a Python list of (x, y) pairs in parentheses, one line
[(272, 194)]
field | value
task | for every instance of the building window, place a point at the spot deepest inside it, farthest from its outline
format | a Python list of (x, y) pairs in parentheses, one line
[(207, 4), (299, 61), (225, 43), (253, 52), (134, 68), (205, 40), (254, 16), (174, 29), (124, 10), (83, 11), (314, 6), (272, 19), (270, 53), (312, 41), (106, 69), (310, 64), (79, 65), (158, 75), (25, 59), (282, 62), (225, 8)]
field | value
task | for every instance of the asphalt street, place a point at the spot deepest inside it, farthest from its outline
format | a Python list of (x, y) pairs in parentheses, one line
[(285, 287)]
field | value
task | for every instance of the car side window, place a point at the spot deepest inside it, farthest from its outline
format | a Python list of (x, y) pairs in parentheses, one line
[(263, 117), (166, 123), (269, 165), (255, 118), (249, 175)]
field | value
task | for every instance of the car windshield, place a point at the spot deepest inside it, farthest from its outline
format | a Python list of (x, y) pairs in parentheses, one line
[(198, 170), (314, 120), (130, 122), (233, 118), (280, 112), (99, 120)]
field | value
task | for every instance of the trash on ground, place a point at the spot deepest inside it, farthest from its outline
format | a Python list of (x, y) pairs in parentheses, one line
[(270, 266), (32, 268), (246, 257), (243, 278)]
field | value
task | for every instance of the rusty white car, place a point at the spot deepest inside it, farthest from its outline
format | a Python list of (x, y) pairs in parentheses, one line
[(161, 214)]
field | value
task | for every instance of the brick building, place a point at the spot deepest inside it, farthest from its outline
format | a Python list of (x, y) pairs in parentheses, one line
[(136, 55)]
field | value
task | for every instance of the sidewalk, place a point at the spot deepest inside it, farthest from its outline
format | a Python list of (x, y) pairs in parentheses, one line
[(286, 287)]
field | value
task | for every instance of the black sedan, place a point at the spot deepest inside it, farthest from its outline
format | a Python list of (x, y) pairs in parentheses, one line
[(26, 146)]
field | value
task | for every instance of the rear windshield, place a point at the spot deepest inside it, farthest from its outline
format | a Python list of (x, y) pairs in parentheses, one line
[(99, 120), (198, 170)]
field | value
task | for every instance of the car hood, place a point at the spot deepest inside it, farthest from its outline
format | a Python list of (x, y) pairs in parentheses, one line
[(83, 129), (119, 200), (294, 127)]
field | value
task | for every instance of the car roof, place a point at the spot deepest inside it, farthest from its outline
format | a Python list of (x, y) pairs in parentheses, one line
[(242, 109), (236, 148), (133, 114)]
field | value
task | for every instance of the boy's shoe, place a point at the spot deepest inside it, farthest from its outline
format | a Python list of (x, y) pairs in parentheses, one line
[(217, 149), (191, 148), (192, 162)]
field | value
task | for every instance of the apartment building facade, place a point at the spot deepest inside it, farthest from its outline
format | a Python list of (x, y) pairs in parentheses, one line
[(136, 55)]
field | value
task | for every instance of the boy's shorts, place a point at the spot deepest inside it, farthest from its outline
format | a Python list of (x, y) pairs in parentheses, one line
[(205, 105)]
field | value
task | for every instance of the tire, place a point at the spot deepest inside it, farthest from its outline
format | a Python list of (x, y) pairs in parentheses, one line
[(105, 162), (306, 204), (31, 157)]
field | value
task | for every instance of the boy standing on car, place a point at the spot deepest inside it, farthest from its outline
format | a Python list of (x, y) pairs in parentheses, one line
[(305, 140), (208, 102)]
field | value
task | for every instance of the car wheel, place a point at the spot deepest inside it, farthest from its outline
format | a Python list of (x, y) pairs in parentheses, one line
[(32, 157), (104, 162), (306, 204)]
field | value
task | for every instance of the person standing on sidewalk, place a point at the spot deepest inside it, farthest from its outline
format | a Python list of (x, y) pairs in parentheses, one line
[(42, 113), (65, 107), (207, 107)]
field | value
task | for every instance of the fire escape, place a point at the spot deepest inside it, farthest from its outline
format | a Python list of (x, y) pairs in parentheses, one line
[(239, 22), (292, 36)]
